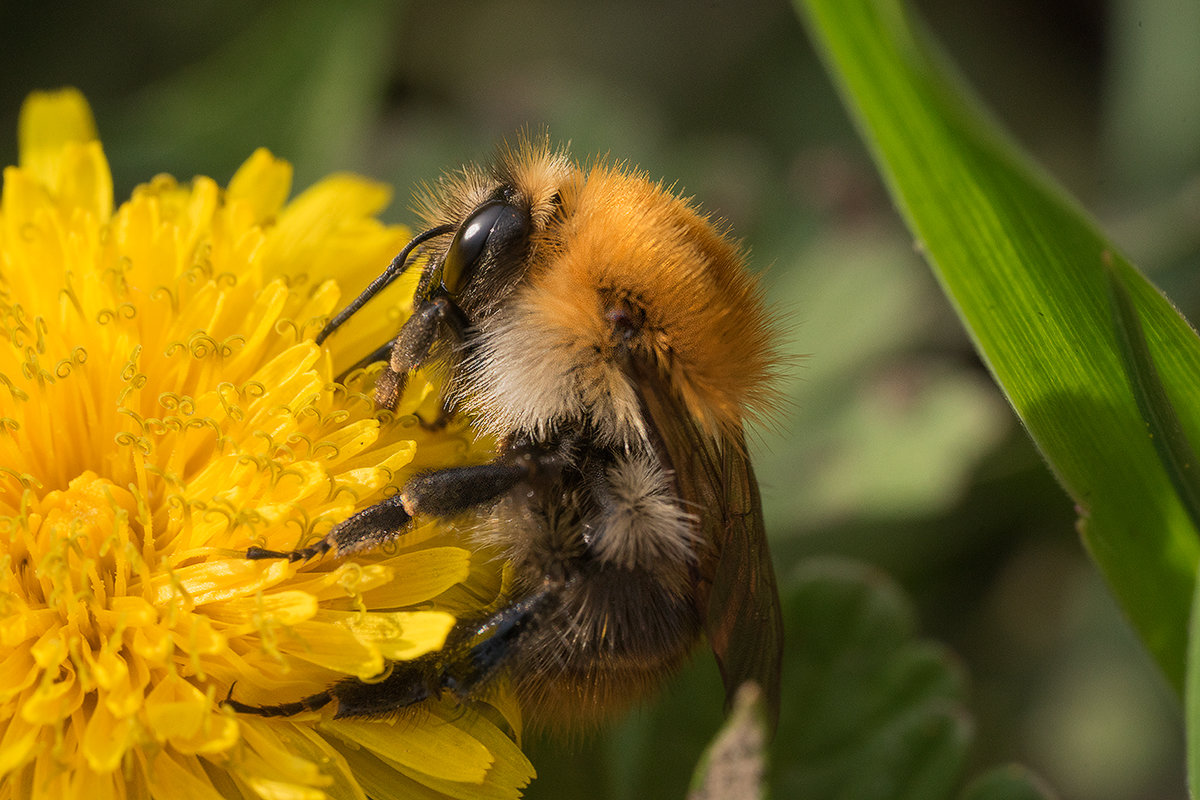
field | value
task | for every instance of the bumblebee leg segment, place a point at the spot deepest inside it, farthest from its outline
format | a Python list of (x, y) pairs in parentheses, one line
[(443, 493), (502, 631), (313, 702), (411, 347), (447, 492), (418, 334), (318, 549), (408, 683), (388, 388), (451, 491), (439, 422), (382, 353), (369, 528), (459, 669)]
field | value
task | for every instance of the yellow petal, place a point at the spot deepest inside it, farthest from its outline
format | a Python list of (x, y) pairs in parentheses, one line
[(21, 625), (105, 740), (175, 709), (325, 229), (52, 701), (128, 612), (111, 672), (441, 752), (17, 744), (107, 668), (152, 644), (279, 790), (504, 700), (350, 579), (84, 784), (290, 758), (400, 635), (333, 646), (85, 180), (293, 361), (244, 614), (330, 204), (217, 733), (427, 572), (179, 778), (264, 182), (18, 671), (344, 784), (508, 773), (350, 440), (48, 122), (382, 781), (511, 767), (194, 634), (216, 580)]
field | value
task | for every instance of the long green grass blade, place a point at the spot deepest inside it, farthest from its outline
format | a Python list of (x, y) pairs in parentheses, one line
[(1162, 422), (1027, 271), (1192, 701)]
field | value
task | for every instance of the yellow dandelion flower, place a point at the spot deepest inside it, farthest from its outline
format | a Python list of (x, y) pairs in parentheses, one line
[(162, 408)]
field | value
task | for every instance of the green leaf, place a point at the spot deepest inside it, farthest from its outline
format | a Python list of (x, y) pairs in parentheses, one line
[(1007, 783), (1162, 422), (1192, 700), (1027, 272), (869, 710)]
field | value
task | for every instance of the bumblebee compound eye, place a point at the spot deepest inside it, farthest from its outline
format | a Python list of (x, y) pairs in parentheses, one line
[(493, 224)]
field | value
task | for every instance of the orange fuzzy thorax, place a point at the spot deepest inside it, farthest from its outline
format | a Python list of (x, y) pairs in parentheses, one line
[(628, 240)]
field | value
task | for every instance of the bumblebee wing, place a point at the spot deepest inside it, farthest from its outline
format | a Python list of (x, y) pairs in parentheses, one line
[(741, 611), (743, 620)]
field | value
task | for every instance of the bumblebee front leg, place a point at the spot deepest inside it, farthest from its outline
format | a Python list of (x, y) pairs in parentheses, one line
[(442, 493), (381, 353), (411, 347)]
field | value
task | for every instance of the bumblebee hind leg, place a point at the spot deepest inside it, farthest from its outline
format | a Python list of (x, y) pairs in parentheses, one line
[(314, 702), (473, 657)]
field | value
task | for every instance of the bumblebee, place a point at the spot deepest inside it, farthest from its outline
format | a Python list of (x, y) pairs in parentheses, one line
[(612, 340)]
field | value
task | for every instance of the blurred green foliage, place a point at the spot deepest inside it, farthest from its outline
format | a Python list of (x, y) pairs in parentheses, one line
[(893, 447)]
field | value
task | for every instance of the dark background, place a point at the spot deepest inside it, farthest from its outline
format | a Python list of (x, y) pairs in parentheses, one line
[(893, 446)]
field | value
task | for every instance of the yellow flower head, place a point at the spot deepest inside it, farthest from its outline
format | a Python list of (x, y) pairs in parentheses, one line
[(162, 408)]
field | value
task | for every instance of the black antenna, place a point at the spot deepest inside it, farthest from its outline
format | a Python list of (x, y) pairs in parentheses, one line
[(393, 271)]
